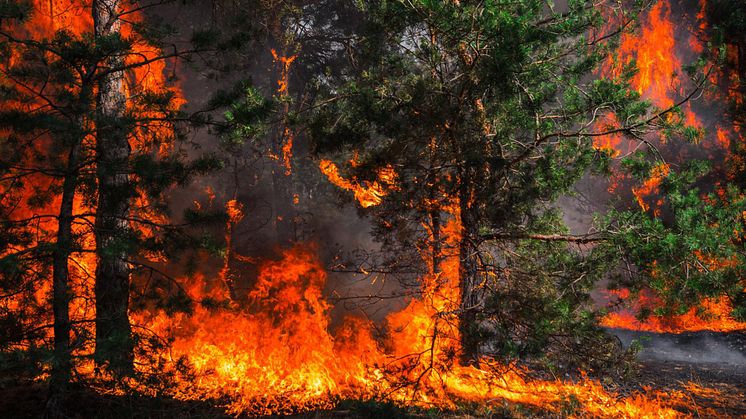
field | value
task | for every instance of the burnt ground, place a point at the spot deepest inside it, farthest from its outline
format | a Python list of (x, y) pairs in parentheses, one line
[(718, 390), (702, 373), (708, 368)]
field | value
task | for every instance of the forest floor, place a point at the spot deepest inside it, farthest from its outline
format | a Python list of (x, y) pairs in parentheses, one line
[(712, 387), (706, 367)]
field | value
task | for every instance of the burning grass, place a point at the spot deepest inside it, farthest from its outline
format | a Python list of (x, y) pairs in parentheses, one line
[(278, 355)]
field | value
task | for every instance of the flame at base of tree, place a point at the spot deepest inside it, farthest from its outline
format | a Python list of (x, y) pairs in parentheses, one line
[(279, 354)]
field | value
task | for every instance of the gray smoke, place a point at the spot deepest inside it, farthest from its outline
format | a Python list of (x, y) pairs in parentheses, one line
[(691, 347)]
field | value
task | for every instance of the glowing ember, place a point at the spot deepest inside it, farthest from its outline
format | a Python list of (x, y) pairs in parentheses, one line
[(287, 151), (286, 62)]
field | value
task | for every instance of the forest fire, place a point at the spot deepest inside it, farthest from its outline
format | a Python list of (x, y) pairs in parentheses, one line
[(149, 75), (282, 357), (478, 284), (655, 51)]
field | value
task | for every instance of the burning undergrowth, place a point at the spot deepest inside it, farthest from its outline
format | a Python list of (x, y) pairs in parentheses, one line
[(275, 355), (278, 354)]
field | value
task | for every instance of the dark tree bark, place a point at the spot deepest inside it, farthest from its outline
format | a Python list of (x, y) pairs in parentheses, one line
[(437, 247), (284, 222), (468, 274), (62, 365), (234, 216), (113, 332)]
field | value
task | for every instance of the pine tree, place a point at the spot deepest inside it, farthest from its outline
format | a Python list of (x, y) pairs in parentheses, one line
[(46, 106), (492, 106), (690, 251), (84, 138)]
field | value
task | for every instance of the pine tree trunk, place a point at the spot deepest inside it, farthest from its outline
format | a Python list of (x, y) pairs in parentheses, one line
[(235, 213), (62, 366), (468, 277), (113, 332), (284, 223), (436, 245)]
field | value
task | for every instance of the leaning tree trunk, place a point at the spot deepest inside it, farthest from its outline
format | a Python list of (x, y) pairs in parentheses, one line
[(62, 365), (113, 332), (284, 212), (468, 275)]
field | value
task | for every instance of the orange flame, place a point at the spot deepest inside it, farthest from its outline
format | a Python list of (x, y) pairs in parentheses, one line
[(367, 196), (280, 357), (715, 316), (650, 187), (282, 91), (75, 17), (287, 152), (611, 143), (286, 62), (654, 48), (654, 51)]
